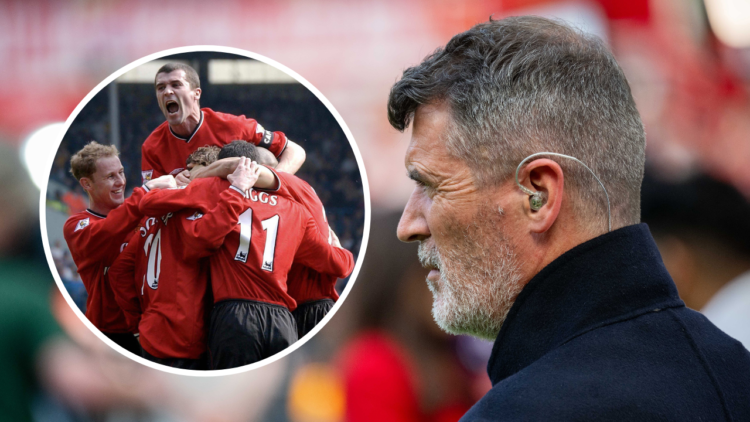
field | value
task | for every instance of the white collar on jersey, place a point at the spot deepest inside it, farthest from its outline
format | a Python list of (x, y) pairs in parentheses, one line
[(182, 138)]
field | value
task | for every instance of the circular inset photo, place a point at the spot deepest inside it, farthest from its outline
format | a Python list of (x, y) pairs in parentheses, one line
[(206, 211)]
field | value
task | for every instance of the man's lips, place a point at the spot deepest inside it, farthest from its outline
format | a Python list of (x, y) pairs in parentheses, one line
[(434, 275)]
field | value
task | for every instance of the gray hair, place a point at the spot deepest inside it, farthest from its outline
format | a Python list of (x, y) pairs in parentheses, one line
[(527, 84)]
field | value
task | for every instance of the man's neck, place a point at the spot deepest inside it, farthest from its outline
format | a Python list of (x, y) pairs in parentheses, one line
[(98, 208), (186, 128)]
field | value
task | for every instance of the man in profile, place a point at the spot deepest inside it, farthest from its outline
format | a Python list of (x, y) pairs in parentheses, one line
[(188, 127), (528, 152)]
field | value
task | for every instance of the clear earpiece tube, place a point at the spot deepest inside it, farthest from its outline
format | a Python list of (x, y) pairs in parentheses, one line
[(532, 193)]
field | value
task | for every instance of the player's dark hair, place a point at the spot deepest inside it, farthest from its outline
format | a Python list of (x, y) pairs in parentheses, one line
[(527, 84), (239, 149), (190, 74), (83, 163)]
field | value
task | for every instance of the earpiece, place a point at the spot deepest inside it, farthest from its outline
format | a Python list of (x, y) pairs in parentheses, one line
[(537, 201)]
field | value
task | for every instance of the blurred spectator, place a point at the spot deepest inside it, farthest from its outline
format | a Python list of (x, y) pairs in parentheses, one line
[(397, 365), (33, 350), (702, 227), (74, 201), (58, 254)]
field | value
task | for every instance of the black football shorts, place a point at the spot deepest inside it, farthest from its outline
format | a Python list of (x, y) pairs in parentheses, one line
[(309, 314), (245, 331)]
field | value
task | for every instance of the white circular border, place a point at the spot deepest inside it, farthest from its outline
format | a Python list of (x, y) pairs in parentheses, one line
[(365, 232)]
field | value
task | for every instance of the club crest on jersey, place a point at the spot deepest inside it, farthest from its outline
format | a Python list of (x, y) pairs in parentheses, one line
[(165, 218), (267, 138), (241, 256), (81, 224), (146, 175), (195, 216), (267, 266)]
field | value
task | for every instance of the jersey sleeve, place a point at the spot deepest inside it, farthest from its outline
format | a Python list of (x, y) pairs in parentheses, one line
[(122, 280), (254, 132), (95, 238), (150, 167), (204, 234), (316, 253), (159, 202)]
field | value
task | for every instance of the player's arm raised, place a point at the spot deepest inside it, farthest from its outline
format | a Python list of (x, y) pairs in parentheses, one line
[(122, 280), (292, 158), (316, 253)]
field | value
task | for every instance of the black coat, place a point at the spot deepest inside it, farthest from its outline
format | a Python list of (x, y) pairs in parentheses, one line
[(600, 334)]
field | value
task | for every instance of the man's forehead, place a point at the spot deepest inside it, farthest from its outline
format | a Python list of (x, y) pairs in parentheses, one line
[(177, 74), (435, 114), (108, 164), (428, 134)]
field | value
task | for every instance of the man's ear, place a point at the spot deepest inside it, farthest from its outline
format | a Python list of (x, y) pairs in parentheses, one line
[(546, 177), (198, 93), (85, 183)]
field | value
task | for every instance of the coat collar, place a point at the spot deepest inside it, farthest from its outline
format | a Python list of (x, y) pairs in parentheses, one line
[(613, 277)]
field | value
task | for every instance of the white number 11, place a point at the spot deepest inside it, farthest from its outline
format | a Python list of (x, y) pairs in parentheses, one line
[(270, 226)]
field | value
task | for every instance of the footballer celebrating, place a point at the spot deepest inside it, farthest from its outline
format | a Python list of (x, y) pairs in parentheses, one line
[(164, 294), (314, 292), (188, 127), (95, 236), (251, 318)]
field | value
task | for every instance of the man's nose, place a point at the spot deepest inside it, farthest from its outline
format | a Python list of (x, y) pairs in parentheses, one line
[(413, 226)]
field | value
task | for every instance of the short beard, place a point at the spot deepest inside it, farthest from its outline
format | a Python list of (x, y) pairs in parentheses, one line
[(479, 280)]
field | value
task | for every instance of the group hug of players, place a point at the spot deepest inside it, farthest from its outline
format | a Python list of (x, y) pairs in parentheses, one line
[(216, 261)]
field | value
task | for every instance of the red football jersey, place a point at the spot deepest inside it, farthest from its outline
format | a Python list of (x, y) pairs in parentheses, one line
[(305, 284), (256, 251), (95, 241), (170, 292), (165, 152), (123, 283)]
